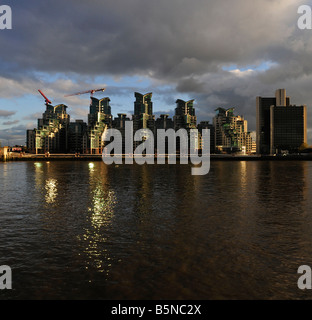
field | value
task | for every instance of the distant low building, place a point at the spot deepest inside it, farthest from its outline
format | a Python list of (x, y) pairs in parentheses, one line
[(31, 140), (164, 122), (4, 151)]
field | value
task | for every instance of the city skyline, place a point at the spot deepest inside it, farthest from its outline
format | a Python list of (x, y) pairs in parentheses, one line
[(175, 56), (129, 113), (281, 126)]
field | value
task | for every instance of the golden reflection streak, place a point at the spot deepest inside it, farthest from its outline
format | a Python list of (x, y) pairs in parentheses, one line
[(38, 175), (51, 188), (103, 207), (243, 175), (101, 214)]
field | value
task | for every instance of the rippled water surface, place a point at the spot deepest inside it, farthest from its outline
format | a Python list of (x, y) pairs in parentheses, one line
[(79, 230)]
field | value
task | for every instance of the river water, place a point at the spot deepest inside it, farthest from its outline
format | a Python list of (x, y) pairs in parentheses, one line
[(81, 230)]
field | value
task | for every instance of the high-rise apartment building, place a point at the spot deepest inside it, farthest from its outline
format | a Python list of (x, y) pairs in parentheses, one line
[(280, 125), (184, 115), (51, 134), (231, 132), (185, 118), (100, 111), (99, 119), (143, 117), (288, 128)]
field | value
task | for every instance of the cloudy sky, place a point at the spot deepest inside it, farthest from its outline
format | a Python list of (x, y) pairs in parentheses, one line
[(222, 53)]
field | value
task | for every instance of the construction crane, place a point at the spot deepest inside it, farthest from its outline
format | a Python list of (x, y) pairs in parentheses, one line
[(92, 91), (47, 101)]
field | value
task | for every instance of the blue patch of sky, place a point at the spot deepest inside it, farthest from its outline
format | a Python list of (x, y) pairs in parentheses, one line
[(263, 66)]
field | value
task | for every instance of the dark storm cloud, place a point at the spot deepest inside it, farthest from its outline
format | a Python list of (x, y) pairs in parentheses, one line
[(181, 43), (157, 38)]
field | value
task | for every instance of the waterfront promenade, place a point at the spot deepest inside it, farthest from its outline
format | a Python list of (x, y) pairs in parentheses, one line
[(98, 157)]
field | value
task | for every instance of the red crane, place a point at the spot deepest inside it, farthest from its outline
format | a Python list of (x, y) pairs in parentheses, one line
[(47, 101), (92, 91)]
